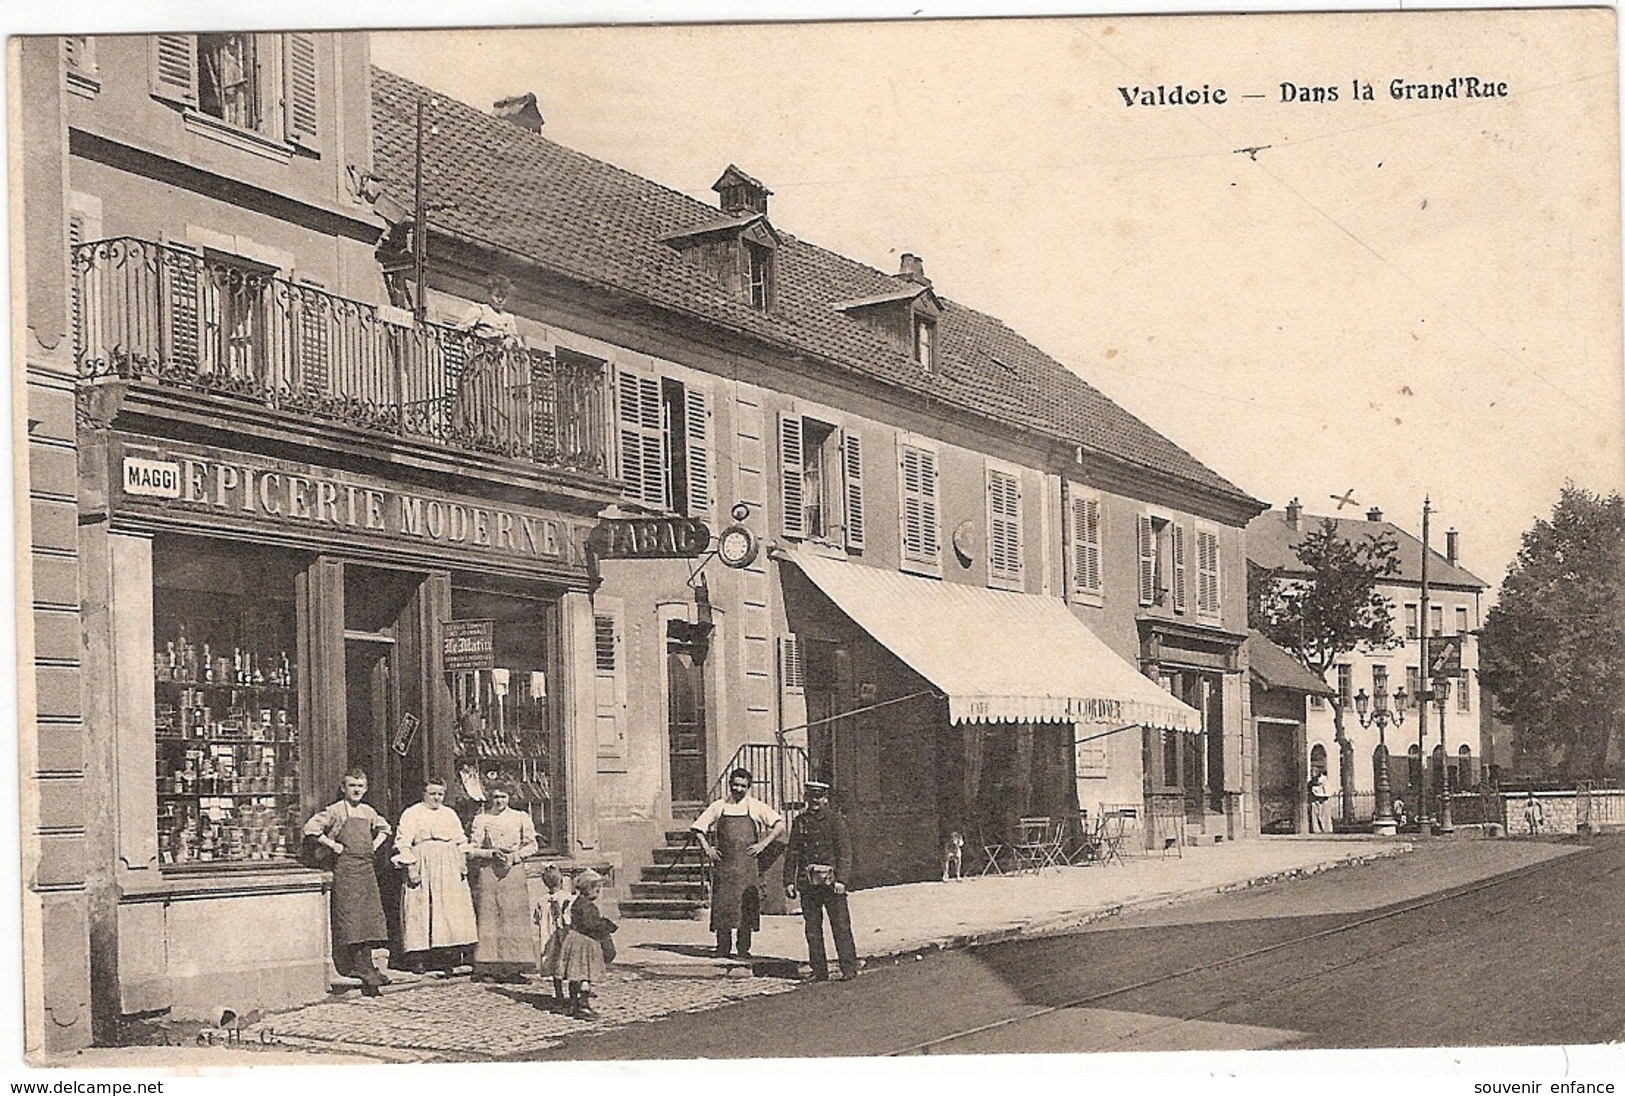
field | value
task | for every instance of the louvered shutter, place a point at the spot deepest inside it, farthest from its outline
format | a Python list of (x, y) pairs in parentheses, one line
[(791, 457), (1146, 537), (1207, 563), (697, 446), (315, 315), (76, 236), (1004, 525), (920, 542), (299, 88), (607, 687), (1178, 539), (852, 466), (179, 274), (174, 67), (643, 458), (1085, 545)]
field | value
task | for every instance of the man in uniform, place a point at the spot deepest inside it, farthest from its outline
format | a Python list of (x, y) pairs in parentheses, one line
[(818, 864), (744, 828)]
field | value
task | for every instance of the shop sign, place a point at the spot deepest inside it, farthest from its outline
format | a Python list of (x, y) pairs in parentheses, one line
[(649, 538), (403, 736), (287, 494), (467, 645), (1444, 656)]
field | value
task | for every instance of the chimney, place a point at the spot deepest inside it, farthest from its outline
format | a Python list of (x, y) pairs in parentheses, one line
[(1373, 514), (739, 193), (1294, 513), (913, 270), (521, 110), (1450, 547)]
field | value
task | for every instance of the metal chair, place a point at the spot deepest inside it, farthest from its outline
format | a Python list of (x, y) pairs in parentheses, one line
[(992, 848), (1110, 837), (1080, 845), (1031, 844)]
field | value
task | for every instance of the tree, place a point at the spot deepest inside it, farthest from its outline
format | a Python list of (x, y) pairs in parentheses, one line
[(1553, 648), (1328, 610)]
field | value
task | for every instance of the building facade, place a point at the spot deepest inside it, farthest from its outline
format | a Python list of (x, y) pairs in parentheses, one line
[(1452, 620)]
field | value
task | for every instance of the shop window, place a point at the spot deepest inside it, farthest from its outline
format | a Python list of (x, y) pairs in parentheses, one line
[(227, 708), (1004, 528), (921, 537), (664, 430), (1084, 519), (821, 481), (506, 723)]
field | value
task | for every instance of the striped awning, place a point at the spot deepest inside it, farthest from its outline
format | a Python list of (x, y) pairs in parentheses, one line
[(999, 657)]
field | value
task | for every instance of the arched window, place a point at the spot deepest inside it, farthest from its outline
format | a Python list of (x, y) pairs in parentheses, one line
[(1317, 760), (1465, 777)]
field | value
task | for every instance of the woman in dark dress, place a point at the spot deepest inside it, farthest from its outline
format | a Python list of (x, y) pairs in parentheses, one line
[(352, 831)]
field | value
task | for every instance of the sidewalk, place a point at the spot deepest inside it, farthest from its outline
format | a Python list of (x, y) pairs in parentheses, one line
[(918, 917)]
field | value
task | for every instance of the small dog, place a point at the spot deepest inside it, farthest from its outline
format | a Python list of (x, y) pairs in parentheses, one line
[(953, 856)]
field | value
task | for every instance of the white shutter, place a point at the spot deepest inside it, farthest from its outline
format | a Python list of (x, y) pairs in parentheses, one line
[(792, 689), (1178, 549), (696, 439), (174, 68), (1146, 537), (920, 539), (1085, 545), (608, 687), (299, 88), (1004, 525), (643, 451), (852, 466), (1207, 563), (793, 519)]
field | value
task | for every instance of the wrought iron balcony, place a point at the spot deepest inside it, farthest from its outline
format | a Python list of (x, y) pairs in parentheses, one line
[(154, 314)]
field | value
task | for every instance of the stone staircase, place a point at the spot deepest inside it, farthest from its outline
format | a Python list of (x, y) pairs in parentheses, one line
[(668, 889)]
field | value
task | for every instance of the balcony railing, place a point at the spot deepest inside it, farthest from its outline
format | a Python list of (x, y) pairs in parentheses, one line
[(166, 316)]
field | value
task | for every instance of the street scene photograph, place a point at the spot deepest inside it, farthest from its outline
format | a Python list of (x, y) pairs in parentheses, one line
[(1094, 536)]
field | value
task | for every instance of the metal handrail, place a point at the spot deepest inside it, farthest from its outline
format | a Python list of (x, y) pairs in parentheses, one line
[(778, 771), (167, 316)]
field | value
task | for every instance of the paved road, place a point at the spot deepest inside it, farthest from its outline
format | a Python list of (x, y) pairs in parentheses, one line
[(1443, 947)]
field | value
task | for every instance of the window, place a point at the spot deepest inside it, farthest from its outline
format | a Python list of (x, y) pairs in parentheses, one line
[(1345, 685), (1413, 686), (921, 538), (1317, 702), (240, 80), (925, 333), (1412, 626), (1379, 681), (1461, 620), (1004, 528), (79, 64), (759, 275), (1084, 518), (821, 481), (1464, 694), (1435, 620), (1207, 572), (663, 431), (1162, 562)]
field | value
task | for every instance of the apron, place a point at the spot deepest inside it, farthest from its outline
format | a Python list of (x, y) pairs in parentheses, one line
[(735, 901), (358, 911)]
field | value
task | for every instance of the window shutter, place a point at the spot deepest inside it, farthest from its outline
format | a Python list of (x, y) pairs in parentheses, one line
[(643, 463), (920, 542), (174, 68), (76, 236), (697, 431), (1178, 537), (1207, 563), (791, 456), (315, 311), (792, 669), (607, 687), (1085, 545), (299, 88), (179, 274), (1146, 536), (1004, 524), (852, 465)]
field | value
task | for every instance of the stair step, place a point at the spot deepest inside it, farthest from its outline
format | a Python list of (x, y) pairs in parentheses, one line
[(659, 909), (668, 855), (667, 873), (684, 891), (677, 838)]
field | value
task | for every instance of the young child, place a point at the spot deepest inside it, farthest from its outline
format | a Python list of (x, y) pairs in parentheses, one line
[(587, 947), (552, 916)]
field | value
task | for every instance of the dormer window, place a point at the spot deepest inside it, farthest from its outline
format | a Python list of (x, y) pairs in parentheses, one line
[(737, 247), (759, 275), (925, 334)]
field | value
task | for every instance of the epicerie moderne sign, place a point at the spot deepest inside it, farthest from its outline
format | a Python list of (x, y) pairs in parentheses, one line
[(308, 496)]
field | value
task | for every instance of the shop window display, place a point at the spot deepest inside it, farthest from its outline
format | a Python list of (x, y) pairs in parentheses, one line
[(227, 709)]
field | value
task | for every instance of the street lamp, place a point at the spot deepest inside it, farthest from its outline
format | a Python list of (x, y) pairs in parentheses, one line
[(1441, 693), (1374, 709)]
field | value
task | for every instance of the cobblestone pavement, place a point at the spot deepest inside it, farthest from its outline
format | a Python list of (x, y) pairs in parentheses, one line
[(458, 1020)]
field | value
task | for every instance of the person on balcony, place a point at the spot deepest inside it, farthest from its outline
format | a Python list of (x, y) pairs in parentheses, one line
[(818, 865), (744, 828), (490, 391)]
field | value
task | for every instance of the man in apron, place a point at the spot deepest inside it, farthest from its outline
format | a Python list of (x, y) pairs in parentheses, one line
[(744, 827), (352, 831)]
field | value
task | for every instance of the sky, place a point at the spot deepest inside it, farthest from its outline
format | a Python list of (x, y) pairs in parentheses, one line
[(1394, 298)]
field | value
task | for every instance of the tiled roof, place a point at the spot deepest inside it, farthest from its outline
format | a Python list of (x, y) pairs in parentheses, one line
[(517, 191), (1275, 668), (1272, 543)]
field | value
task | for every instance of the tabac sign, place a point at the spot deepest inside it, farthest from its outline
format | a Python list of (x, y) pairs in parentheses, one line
[(649, 538), (324, 505)]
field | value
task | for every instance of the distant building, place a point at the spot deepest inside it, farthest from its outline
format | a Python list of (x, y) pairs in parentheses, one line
[(1453, 612)]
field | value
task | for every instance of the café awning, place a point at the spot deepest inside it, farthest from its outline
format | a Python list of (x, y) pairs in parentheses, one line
[(999, 656)]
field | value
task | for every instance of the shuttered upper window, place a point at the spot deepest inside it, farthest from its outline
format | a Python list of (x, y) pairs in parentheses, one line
[(265, 84), (1004, 528), (1207, 572), (820, 482), (1084, 520), (663, 428), (921, 538)]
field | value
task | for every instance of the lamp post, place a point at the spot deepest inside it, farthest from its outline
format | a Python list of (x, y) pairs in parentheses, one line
[(1441, 693), (1374, 709)]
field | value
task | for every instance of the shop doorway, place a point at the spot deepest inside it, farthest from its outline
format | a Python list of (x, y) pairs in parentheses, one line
[(685, 717)]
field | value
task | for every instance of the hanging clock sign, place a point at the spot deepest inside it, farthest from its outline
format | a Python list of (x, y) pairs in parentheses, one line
[(736, 546)]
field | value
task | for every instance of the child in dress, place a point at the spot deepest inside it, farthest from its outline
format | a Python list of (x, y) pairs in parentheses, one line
[(588, 947), (552, 916)]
